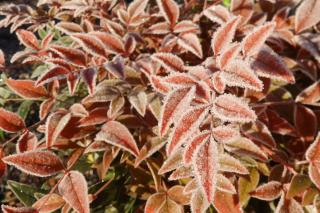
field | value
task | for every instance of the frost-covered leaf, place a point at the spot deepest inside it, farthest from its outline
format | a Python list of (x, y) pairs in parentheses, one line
[(96, 116), (170, 11), (228, 55), (26, 142), (245, 146), (217, 13), (225, 185), (193, 144), (158, 84), (238, 73), (226, 203), (224, 35), (55, 123), (45, 107), (206, 166), (74, 191), (154, 202), (173, 161), (230, 108), (268, 64), (313, 152), (74, 56), (54, 73), (89, 77), (175, 103), (49, 203), (191, 42), (69, 27), (228, 163), (244, 8), (186, 26), (10, 122), (2, 59), (254, 41), (218, 83), (10, 209), (90, 43), (189, 122), (28, 39), (288, 205), (111, 43), (198, 202), (117, 134), (181, 172), (224, 133), (159, 28), (27, 89), (298, 185), (169, 61), (307, 15), (176, 194), (310, 95), (268, 191), (305, 121), (136, 8), (38, 163), (139, 101)]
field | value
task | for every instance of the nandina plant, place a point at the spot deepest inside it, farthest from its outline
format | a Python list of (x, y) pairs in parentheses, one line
[(161, 106)]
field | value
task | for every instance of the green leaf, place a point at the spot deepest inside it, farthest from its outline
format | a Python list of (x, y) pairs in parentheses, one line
[(248, 184), (299, 183), (24, 108), (4, 93), (226, 3), (39, 70), (42, 33), (25, 193)]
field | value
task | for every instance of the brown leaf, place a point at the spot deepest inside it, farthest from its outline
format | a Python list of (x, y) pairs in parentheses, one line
[(54, 73), (69, 27), (268, 191), (72, 55), (3, 166), (46, 107), (90, 43), (38, 163), (225, 185), (253, 42), (97, 116), (268, 64), (111, 43), (306, 123), (89, 77), (227, 163), (226, 203), (288, 205), (307, 15), (217, 13), (173, 161), (2, 59), (117, 134), (74, 190), (298, 185), (26, 142), (244, 8), (136, 8), (27, 89), (10, 122), (310, 95), (151, 147), (176, 194)]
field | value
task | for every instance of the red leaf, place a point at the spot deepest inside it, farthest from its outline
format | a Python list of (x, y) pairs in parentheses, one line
[(2, 59), (268, 64), (307, 15), (90, 43), (193, 144), (226, 203), (55, 73), (45, 107), (3, 166), (225, 185), (314, 175), (175, 103), (10, 122), (310, 95), (38, 163), (191, 42), (268, 191), (305, 121), (181, 172), (111, 43), (27, 89), (49, 203), (136, 8), (117, 134), (288, 205), (89, 77), (253, 42), (170, 11), (46, 40), (230, 164), (224, 35), (186, 26), (313, 152), (9, 209), (206, 166), (238, 73), (224, 133), (169, 61), (228, 55), (28, 39), (154, 202), (217, 13), (26, 142), (151, 147), (69, 27), (198, 203), (97, 116), (74, 56), (158, 84), (244, 8), (54, 126), (189, 122), (230, 108), (218, 83), (173, 161), (74, 190), (159, 28)]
